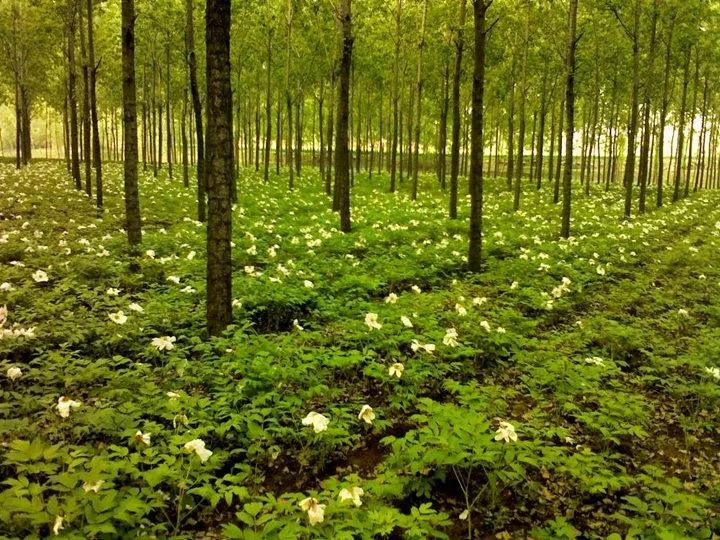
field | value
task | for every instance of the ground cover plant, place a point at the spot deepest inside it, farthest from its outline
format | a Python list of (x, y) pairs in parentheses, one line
[(359, 269), (369, 386)]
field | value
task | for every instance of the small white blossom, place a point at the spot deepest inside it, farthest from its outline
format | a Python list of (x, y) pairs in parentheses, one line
[(318, 421), (367, 414), (198, 446)]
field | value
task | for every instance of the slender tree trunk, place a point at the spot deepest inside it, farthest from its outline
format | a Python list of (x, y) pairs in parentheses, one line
[(693, 109), (86, 149), (342, 163), (521, 138), (475, 178), (72, 14), (570, 113), (97, 158), (396, 98), (681, 126), (195, 93), (168, 118), (219, 165), (288, 100), (418, 119), (645, 147), (455, 134), (629, 176), (132, 200)]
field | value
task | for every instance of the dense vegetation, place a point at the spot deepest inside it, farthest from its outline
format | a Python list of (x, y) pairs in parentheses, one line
[(371, 269), (600, 351)]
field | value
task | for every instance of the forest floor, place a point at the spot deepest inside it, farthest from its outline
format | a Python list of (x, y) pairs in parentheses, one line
[(570, 390)]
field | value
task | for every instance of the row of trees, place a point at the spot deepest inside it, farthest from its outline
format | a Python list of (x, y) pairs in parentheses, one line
[(392, 94)]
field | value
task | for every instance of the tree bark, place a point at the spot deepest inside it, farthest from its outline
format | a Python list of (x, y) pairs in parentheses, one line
[(197, 108), (97, 158), (132, 200), (455, 134), (219, 165), (475, 179), (342, 163), (570, 114)]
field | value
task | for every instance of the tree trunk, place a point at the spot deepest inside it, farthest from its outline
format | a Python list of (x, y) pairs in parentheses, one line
[(132, 200), (475, 179), (521, 136), (87, 150), (570, 113), (219, 165), (645, 147), (629, 176), (681, 126), (455, 134), (97, 158), (418, 117), (396, 98), (72, 13), (342, 163), (195, 93)]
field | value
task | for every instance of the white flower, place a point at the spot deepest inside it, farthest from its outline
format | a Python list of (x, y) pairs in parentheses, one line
[(141, 437), (353, 494), (172, 395), (450, 338), (317, 421), (237, 303), (308, 284), (479, 301), (64, 405), (464, 514), (396, 370), (118, 318), (366, 414), (40, 276), (461, 310), (500, 330), (391, 298), (5, 286), (93, 486), (714, 371), (296, 325), (112, 291), (198, 446), (427, 347), (164, 343), (416, 289), (596, 360), (514, 285), (136, 307), (683, 313), (372, 322), (600, 270), (406, 321), (506, 432), (150, 253), (315, 510), (14, 373), (174, 279), (58, 526), (190, 256), (3, 315), (485, 325)]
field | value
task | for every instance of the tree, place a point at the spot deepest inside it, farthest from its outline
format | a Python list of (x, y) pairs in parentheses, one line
[(220, 171), (342, 153), (570, 117), (475, 180), (92, 81), (455, 134), (197, 108), (132, 200)]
